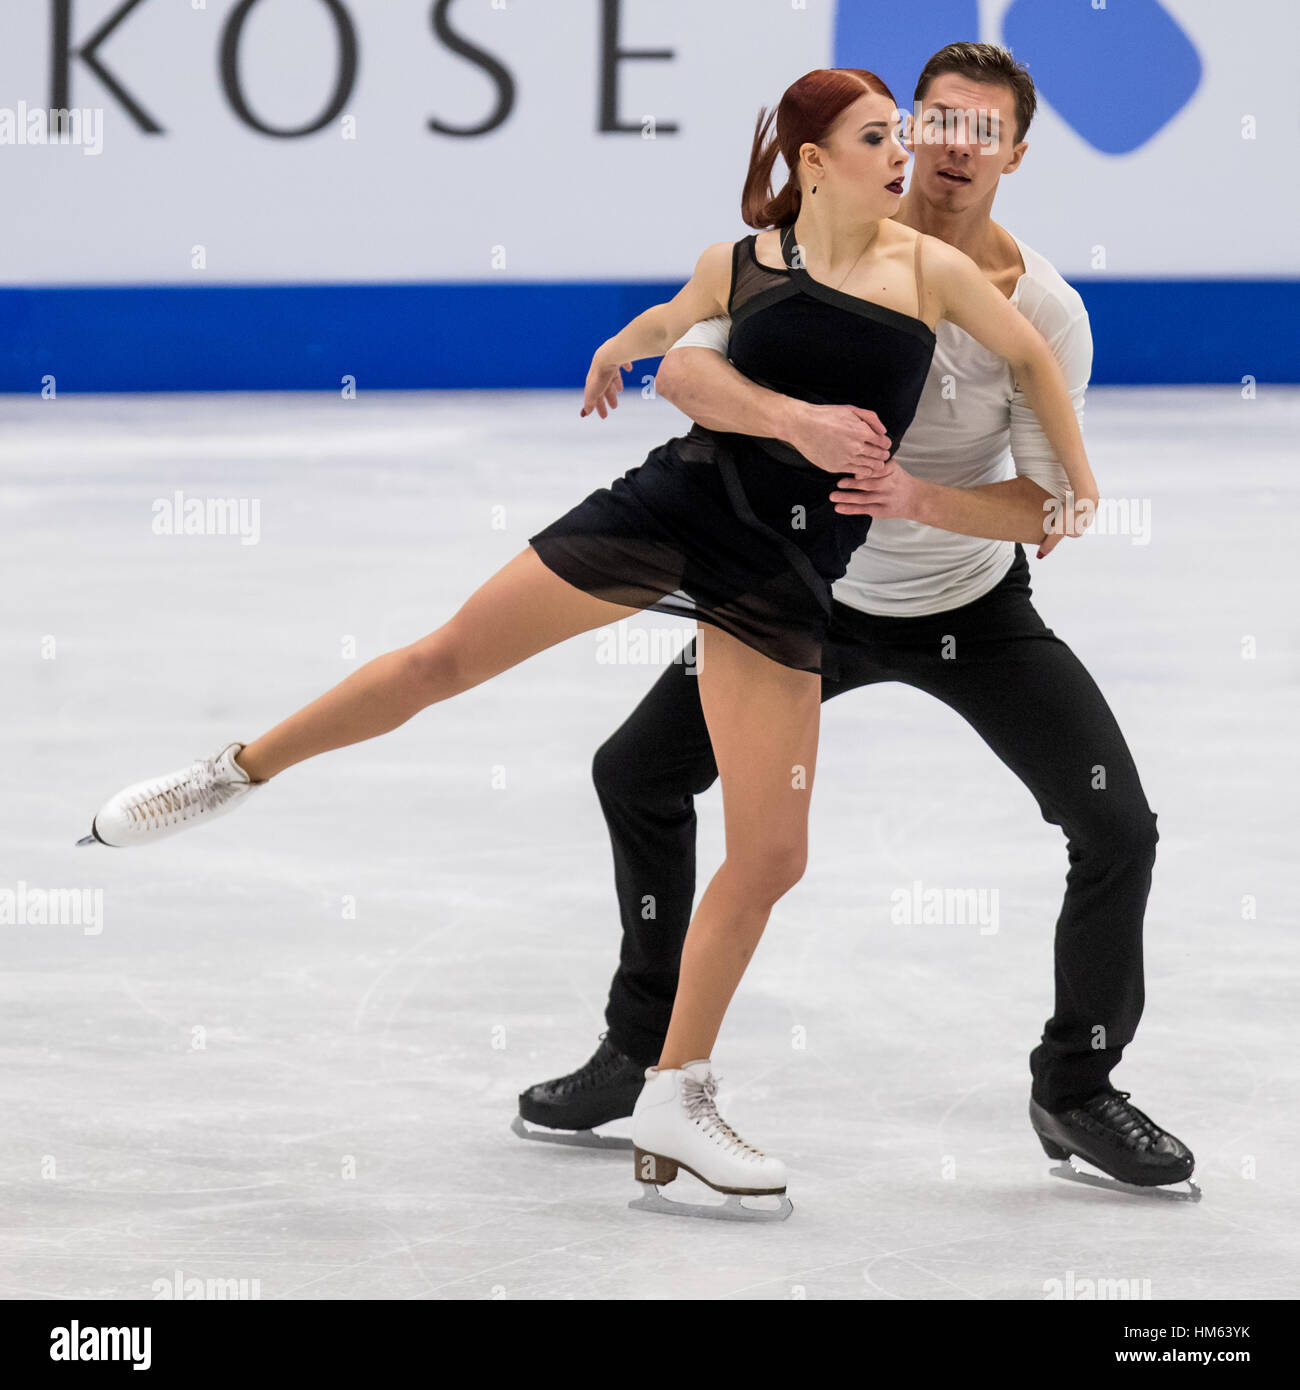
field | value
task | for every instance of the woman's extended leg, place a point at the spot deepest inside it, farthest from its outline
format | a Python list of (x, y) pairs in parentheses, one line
[(763, 720), (523, 609)]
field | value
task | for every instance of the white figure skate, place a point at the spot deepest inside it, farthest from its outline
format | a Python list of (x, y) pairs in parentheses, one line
[(163, 806), (676, 1125)]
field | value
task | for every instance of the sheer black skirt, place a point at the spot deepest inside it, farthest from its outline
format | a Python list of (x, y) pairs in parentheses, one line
[(714, 527)]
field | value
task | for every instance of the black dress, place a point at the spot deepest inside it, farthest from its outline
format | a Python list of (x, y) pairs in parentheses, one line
[(738, 531)]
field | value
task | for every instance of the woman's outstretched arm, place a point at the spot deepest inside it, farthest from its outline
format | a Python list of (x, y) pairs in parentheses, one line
[(652, 333), (968, 300)]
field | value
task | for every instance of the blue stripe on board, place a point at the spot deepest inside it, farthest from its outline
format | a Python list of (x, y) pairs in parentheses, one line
[(1171, 332), (308, 337)]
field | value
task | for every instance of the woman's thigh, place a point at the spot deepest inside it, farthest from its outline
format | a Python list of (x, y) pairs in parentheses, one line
[(763, 721)]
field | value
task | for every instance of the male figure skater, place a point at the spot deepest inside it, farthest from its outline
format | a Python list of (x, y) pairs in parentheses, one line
[(943, 560)]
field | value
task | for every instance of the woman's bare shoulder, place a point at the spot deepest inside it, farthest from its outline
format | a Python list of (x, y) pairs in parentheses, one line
[(767, 248)]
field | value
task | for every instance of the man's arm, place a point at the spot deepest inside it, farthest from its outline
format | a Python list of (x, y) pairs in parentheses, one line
[(701, 383), (697, 378), (1013, 510)]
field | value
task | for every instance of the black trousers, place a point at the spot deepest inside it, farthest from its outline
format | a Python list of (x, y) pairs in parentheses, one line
[(1030, 699)]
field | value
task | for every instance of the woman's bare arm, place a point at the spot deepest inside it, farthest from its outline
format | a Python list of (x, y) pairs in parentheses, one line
[(652, 333), (968, 300)]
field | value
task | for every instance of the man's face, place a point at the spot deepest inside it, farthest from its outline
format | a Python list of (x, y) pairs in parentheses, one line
[(963, 142)]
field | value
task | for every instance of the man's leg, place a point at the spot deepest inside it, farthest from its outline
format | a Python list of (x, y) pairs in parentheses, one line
[(647, 775), (1032, 701)]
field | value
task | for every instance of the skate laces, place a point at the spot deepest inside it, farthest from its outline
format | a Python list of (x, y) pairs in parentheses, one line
[(201, 788), (593, 1073), (699, 1097), (1127, 1120)]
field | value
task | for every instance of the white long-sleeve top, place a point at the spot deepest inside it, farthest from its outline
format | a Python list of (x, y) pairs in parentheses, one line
[(973, 425)]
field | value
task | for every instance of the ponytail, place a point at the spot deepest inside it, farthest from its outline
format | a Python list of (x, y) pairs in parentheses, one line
[(758, 207), (808, 111)]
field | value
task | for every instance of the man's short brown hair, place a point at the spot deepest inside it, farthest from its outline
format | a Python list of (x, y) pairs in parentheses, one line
[(985, 62)]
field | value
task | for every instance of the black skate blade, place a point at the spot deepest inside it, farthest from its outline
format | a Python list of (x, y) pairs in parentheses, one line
[(733, 1209), (1170, 1193), (570, 1138), (92, 838)]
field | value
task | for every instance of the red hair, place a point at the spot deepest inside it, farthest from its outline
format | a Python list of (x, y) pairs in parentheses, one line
[(807, 111)]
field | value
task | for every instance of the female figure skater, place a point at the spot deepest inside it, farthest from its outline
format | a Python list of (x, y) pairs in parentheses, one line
[(834, 304)]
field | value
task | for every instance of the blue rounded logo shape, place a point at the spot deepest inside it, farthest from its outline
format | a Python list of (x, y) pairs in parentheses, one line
[(895, 42), (1116, 75), (1116, 71)]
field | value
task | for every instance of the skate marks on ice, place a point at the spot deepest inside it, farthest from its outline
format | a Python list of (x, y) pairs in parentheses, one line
[(445, 1204), (571, 1138)]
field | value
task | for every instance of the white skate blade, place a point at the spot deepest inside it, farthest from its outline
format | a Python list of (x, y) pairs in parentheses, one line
[(572, 1138), (1174, 1192), (733, 1209)]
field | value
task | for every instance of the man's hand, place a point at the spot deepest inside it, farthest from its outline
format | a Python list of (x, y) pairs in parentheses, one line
[(838, 438), (604, 382), (892, 492)]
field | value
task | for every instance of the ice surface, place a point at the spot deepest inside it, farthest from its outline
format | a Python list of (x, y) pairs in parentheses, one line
[(343, 1128)]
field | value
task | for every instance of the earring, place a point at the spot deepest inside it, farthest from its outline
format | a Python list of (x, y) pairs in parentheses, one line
[(814, 188)]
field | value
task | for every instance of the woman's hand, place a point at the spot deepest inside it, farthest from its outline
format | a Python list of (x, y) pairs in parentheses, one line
[(604, 382), (1070, 517)]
